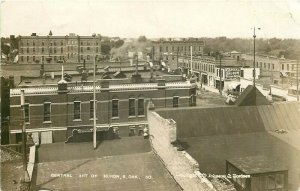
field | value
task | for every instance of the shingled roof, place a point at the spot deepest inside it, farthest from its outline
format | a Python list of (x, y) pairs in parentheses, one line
[(251, 96)]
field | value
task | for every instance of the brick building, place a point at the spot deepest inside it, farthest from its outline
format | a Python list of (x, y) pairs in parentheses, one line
[(168, 51), (53, 112), (55, 49)]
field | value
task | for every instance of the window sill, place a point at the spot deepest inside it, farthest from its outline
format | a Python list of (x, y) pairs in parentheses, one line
[(27, 123), (115, 118), (77, 120), (133, 116), (91, 119), (47, 122), (141, 115)]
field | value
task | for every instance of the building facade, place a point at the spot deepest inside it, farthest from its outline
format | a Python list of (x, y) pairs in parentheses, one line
[(52, 113), (169, 50), (55, 49)]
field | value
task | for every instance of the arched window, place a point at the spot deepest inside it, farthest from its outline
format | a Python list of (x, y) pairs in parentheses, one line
[(47, 110), (77, 109), (131, 106), (141, 105), (175, 101), (115, 107)]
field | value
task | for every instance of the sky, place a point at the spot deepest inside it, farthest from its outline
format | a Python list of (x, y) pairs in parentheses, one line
[(152, 18)]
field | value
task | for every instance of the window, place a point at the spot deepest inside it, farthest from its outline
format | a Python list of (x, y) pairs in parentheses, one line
[(115, 108), (131, 107), (43, 43), (92, 109), (81, 49), (273, 66), (141, 110), (282, 66), (193, 100), (97, 49), (47, 111), (77, 108), (264, 65), (175, 101), (61, 50), (42, 49), (27, 58), (33, 43), (54, 50), (61, 43), (288, 67), (88, 48), (26, 110), (88, 57), (268, 65), (81, 57), (33, 58), (27, 50)]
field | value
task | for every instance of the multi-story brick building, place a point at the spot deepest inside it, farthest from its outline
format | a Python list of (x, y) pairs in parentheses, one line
[(274, 67), (53, 112), (168, 51), (53, 49)]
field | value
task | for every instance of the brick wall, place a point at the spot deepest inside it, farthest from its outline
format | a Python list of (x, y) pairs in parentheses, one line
[(180, 164)]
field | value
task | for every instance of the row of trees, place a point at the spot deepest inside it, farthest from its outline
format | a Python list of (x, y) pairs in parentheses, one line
[(289, 48)]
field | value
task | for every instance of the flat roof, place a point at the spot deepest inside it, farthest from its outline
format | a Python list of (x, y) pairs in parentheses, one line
[(257, 164), (120, 164)]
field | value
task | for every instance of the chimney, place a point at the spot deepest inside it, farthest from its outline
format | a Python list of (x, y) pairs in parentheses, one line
[(62, 84)]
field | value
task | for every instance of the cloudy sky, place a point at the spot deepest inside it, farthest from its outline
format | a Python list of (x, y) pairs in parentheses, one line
[(153, 18)]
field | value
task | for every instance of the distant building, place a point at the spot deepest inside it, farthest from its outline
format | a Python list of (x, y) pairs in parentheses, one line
[(55, 49), (169, 50)]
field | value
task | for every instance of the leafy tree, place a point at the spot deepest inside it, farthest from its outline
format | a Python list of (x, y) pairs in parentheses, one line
[(105, 49), (142, 39)]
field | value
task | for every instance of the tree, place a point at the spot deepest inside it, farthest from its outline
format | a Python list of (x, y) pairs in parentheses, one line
[(105, 49), (142, 39), (5, 48)]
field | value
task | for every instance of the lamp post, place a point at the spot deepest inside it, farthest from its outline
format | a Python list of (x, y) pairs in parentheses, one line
[(254, 71)]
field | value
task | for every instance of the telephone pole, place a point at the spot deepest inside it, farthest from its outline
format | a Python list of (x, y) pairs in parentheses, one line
[(26, 175), (94, 105), (254, 70), (297, 80)]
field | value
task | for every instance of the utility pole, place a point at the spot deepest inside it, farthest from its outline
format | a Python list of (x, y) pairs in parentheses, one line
[(254, 71), (191, 60), (26, 175), (297, 80), (220, 74), (94, 105)]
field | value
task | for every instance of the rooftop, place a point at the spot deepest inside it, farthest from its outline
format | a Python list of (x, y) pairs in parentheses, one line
[(120, 164), (257, 164), (224, 133)]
